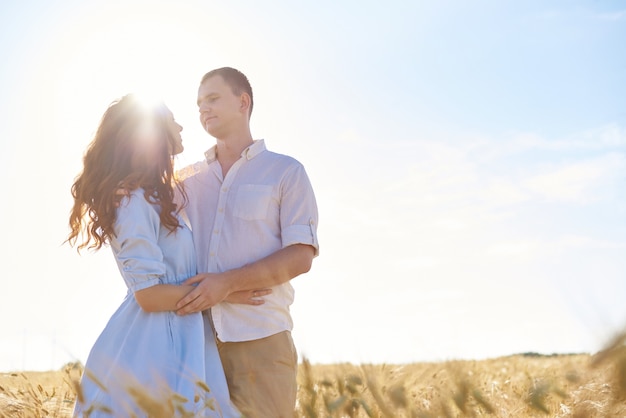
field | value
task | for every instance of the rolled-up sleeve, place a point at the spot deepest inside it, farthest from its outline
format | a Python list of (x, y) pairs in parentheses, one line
[(135, 245), (298, 210)]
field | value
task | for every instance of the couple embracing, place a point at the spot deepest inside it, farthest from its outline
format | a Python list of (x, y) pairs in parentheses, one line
[(207, 255)]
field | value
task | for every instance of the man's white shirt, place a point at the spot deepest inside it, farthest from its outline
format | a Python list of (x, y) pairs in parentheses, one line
[(264, 203)]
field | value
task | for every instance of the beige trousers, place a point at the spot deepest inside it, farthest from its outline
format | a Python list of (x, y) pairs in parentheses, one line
[(261, 375)]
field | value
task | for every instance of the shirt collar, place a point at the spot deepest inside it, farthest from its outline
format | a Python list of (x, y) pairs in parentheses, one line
[(257, 147)]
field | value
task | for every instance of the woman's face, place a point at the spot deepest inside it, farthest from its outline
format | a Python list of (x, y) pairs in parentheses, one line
[(161, 128), (174, 130)]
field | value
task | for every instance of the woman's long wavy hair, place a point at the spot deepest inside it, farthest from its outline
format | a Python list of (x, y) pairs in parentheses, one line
[(132, 148)]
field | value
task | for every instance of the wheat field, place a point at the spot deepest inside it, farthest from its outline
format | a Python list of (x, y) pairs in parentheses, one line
[(524, 385)]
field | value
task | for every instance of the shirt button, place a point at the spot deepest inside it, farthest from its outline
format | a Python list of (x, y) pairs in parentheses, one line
[(217, 231), (224, 189), (221, 210)]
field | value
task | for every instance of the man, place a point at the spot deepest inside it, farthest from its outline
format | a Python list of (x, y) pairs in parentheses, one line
[(254, 220)]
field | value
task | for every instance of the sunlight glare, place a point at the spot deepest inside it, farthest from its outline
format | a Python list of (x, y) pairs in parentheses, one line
[(147, 99)]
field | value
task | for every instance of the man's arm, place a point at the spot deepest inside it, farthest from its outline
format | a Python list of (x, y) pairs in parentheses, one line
[(164, 297), (277, 268)]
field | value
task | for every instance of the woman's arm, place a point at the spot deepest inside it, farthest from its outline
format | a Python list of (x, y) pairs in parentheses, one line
[(161, 297)]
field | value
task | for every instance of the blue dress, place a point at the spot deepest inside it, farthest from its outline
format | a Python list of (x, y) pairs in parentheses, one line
[(142, 356)]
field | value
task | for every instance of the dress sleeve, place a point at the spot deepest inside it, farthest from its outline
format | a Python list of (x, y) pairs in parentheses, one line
[(135, 245), (298, 210)]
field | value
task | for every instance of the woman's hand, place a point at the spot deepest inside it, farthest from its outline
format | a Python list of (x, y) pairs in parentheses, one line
[(248, 297)]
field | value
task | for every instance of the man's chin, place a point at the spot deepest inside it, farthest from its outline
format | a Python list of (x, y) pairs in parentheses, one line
[(209, 126), (212, 131)]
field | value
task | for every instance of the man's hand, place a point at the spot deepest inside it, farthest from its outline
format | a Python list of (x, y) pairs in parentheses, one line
[(248, 297), (212, 288)]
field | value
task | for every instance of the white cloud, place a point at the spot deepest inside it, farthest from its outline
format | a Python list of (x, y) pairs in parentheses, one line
[(519, 249), (612, 16), (552, 247), (577, 241), (577, 181), (486, 150), (350, 136), (504, 192), (609, 136)]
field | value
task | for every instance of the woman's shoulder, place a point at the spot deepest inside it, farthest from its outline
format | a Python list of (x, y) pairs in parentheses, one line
[(131, 197), (134, 212), (135, 201)]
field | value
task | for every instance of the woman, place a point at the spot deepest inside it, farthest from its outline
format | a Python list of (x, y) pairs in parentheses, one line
[(148, 361)]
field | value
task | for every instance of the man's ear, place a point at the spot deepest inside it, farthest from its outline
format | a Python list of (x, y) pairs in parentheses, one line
[(245, 103)]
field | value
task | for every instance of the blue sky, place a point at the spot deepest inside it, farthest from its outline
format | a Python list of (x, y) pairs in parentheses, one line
[(469, 162)]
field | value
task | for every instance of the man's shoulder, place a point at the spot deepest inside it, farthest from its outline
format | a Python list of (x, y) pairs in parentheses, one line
[(191, 171), (283, 159)]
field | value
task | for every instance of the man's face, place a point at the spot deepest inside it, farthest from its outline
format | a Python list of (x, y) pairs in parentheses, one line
[(220, 109)]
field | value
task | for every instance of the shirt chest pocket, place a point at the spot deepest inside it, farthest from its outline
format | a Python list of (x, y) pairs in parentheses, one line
[(252, 201)]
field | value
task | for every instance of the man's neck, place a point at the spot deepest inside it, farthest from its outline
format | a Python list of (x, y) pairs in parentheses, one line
[(229, 149)]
